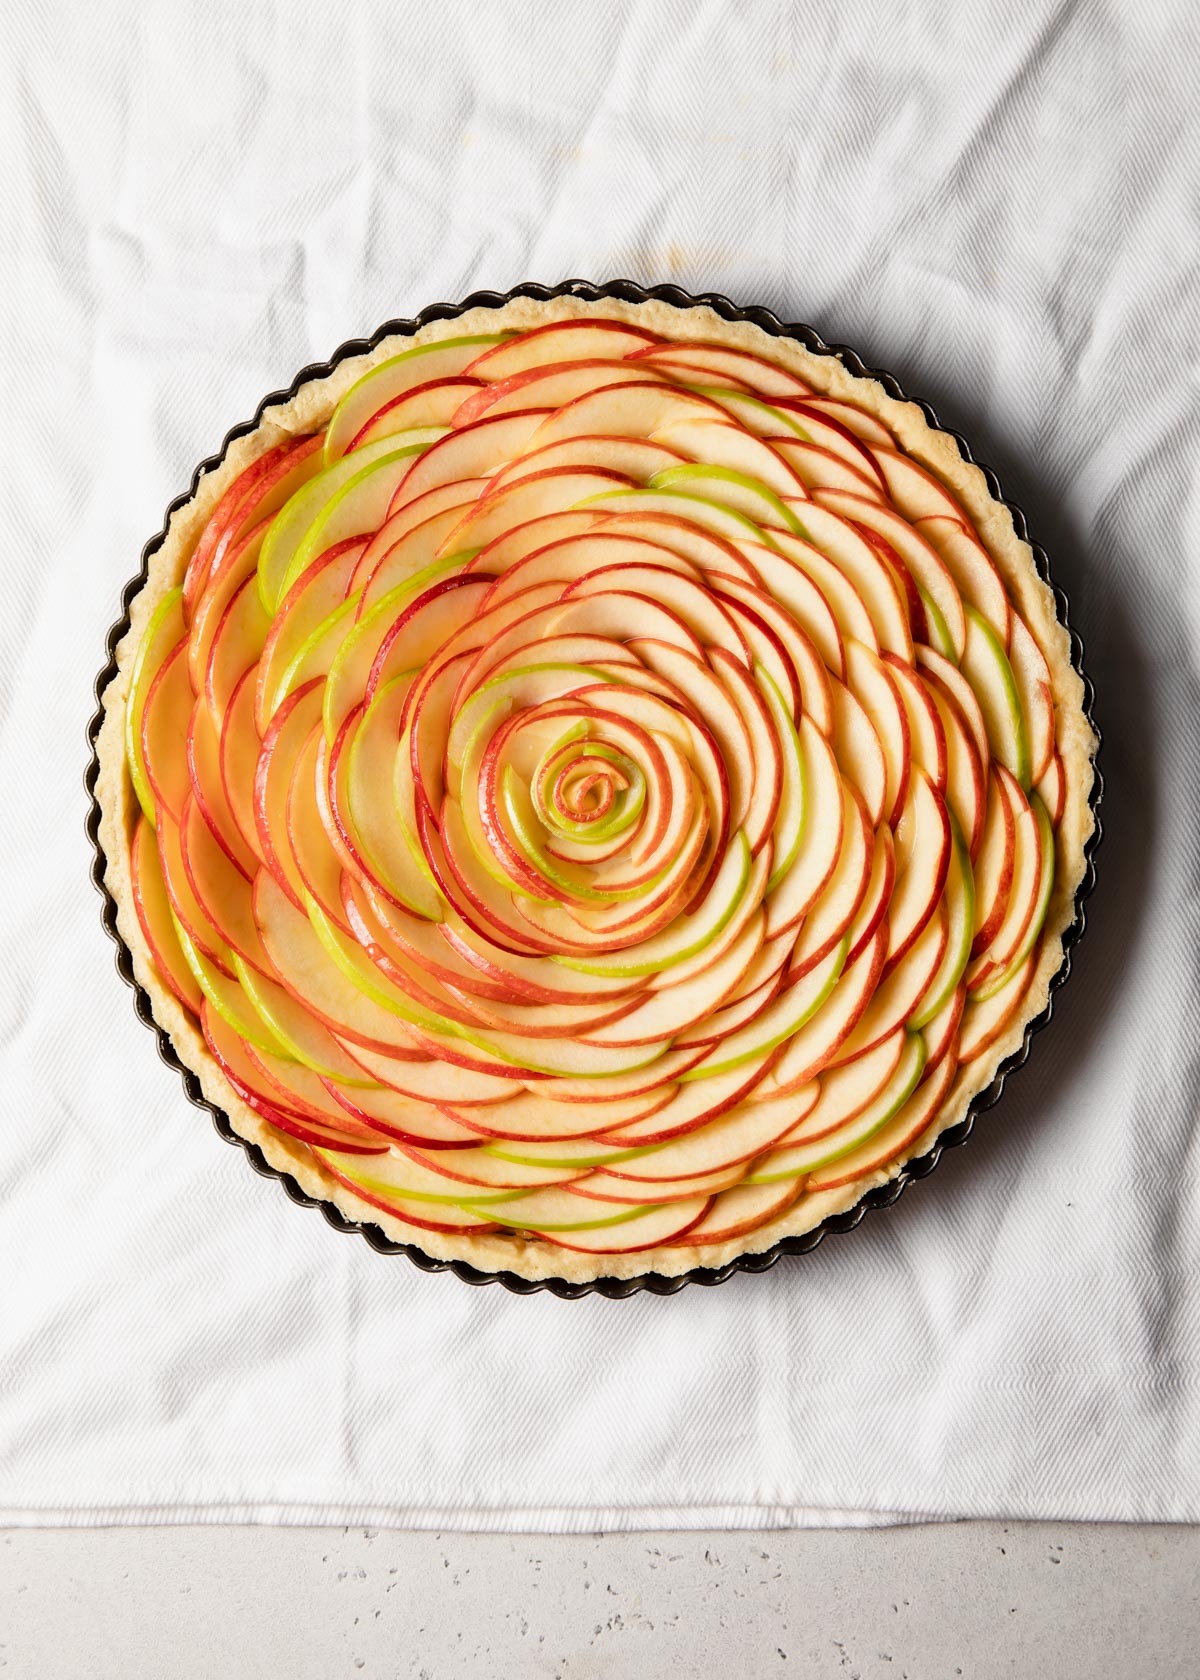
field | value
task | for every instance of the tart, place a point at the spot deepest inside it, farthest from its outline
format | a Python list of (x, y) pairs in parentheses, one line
[(592, 787)]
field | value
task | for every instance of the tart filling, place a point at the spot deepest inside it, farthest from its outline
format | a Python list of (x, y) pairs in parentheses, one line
[(594, 788)]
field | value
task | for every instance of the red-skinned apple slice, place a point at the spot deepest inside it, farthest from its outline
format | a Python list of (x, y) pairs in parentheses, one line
[(924, 564), (639, 410), (635, 459), (551, 385), (163, 634), (803, 1153), (256, 494), (321, 590), (432, 404), (469, 452), (237, 644), (426, 1080), (1032, 677), (447, 359), (972, 569), (1008, 949), (715, 443), (821, 470), (993, 867), (820, 1039), (833, 913), (237, 562), (369, 1182), (965, 789), (921, 876), (647, 1228), (747, 1207), (856, 420), (795, 592), (238, 754), (843, 1094), (530, 1117), (291, 726), (220, 888), (208, 786), (732, 1139), (166, 713), (1052, 790), (190, 918), (926, 732), (873, 685), (878, 895), (985, 1022), (820, 838), (154, 916), (849, 610), (900, 993), (859, 752), (717, 361), (985, 665), (941, 1033), (560, 341), (604, 1187), (893, 1139)]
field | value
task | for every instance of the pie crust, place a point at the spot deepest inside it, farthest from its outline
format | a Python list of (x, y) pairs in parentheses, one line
[(310, 408)]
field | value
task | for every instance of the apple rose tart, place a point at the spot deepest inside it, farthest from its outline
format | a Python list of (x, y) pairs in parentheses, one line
[(592, 788)]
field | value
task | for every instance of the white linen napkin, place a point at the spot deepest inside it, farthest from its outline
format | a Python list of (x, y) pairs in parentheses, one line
[(998, 202)]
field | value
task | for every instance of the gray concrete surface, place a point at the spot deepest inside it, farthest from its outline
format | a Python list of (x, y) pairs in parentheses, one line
[(931, 1603)]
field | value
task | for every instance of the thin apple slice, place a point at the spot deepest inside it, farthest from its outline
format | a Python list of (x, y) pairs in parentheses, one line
[(822, 428), (875, 688), (820, 838), (470, 1171), (295, 518), (154, 916), (983, 981), (705, 549), (392, 379), (295, 1031), (530, 1117), (877, 896), (226, 996), (431, 405), (993, 866), (941, 1034), (733, 1139), (1032, 677), (717, 444), (422, 1216), (821, 1039), (292, 725), (779, 641), (926, 732), (403, 1119), (973, 571), (166, 713), (561, 341), (860, 562), (321, 590), (850, 611), (965, 789), (810, 1153), (820, 470), (639, 410), (1052, 789), (207, 778), (782, 1018), (665, 1014), (797, 594), (604, 1186), (925, 565), (986, 667), (900, 994), (535, 495), (187, 912), (835, 910), (717, 361), (231, 567), (469, 452), (164, 632), (635, 459), (649, 1229), (221, 889), (747, 1207), (999, 952), (859, 751), (843, 1094), (550, 385), (238, 754), (855, 419), (891, 1140), (238, 643), (921, 877), (960, 908), (400, 1173), (258, 492), (985, 1022), (425, 1079)]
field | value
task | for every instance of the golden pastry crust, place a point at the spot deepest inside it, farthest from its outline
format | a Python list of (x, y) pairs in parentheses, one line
[(310, 408)]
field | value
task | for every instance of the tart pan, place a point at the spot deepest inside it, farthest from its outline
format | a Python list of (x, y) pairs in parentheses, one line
[(653, 1283)]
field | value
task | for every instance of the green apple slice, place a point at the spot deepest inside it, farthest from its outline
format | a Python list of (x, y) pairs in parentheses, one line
[(986, 667), (227, 997), (733, 489), (703, 511), (295, 518)]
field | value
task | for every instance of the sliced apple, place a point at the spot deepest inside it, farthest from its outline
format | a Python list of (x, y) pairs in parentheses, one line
[(558, 341), (986, 667), (392, 379), (154, 916), (165, 714), (893, 1139)]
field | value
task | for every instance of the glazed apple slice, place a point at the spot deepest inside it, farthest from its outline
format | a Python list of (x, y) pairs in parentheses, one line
[(424, 1079), (221, 889), (782, 647), (237, 764), (294, 520), (232, 566), (153, 911), (476, 1170), (965, 789), (186, 910), (403, 1119), (821, 469), (163, 634), (634, 459), (208, 781), (165, 715), (236, 645), (926, 731), (447, 359), (894, 1139)]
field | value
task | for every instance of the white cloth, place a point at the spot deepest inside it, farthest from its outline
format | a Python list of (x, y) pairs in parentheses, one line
[(997, 201)]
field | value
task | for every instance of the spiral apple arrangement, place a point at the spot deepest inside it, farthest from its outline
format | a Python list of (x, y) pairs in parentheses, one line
[(597, 788)]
